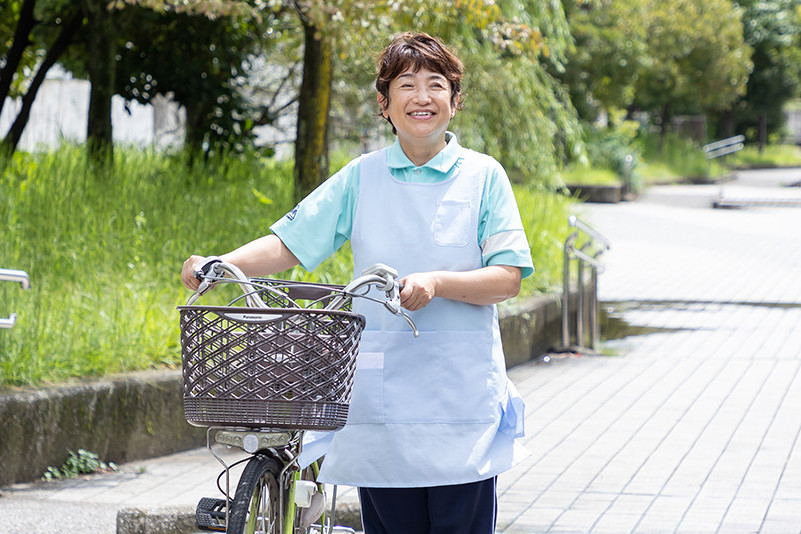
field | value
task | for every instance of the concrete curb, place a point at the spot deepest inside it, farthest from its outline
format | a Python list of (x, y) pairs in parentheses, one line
[(156, 520), (181, 519), (602, 194)]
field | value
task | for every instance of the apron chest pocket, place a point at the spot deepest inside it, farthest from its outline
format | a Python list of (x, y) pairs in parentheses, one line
[(452, 223)]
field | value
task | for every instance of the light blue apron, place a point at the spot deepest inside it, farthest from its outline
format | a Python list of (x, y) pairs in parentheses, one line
[(437, 409)]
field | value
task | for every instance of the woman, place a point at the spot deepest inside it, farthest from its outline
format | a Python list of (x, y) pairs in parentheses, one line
[(433, 420)]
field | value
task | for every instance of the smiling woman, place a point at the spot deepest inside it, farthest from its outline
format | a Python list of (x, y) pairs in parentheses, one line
[(433, 420)]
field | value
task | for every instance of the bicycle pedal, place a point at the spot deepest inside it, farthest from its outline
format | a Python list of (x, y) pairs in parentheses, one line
[(210, 514)]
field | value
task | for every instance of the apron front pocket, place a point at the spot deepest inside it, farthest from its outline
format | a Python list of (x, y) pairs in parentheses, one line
[(367, 399)]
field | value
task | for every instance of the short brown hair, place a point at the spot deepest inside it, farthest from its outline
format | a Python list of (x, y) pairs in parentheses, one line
[(416, 51)]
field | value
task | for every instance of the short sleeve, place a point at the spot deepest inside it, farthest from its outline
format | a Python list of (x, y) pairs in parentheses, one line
[(501, 234), (322, 222)]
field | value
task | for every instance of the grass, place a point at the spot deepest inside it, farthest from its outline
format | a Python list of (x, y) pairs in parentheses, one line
[(586, 175), (680, 159), (772, 156), (104, 251)]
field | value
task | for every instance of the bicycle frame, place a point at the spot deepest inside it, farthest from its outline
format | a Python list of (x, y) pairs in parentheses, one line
[(274, 443)]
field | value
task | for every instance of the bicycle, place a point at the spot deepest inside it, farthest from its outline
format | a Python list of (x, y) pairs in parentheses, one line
[(276, 361)]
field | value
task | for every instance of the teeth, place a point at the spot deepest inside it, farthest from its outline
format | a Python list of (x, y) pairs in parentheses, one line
[(421, 113)]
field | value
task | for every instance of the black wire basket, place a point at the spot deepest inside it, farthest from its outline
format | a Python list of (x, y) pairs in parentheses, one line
[(284, 367)]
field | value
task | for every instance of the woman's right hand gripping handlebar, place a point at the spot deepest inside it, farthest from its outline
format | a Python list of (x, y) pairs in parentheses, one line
[(191, 267), (261, 257)]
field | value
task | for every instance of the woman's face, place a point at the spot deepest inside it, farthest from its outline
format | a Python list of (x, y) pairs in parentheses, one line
[(419, 105)]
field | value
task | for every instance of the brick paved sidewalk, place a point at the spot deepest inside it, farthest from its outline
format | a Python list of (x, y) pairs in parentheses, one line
[(693, 425)]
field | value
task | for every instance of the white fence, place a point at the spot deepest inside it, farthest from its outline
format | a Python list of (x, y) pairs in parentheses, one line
[(60, 113)]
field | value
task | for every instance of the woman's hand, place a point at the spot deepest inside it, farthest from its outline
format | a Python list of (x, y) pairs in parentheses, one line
[(483, 286), (188, 271), (418, 290)]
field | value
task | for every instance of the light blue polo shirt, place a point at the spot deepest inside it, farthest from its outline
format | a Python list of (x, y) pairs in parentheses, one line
[(323, 221)]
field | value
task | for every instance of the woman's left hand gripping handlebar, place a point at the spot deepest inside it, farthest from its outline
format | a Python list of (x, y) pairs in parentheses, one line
[(418, 290)]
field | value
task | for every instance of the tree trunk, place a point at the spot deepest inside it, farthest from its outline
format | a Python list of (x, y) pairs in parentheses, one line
[(56, 49), (25, 24), (663, 128), (763, 131), (196, 118), (101, 51), (727, 124), (314, 100)]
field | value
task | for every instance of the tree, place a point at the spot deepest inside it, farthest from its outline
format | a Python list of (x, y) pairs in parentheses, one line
[(68, 29), (35, 22), (14, 50), (203, 64), (773, 29), (311, 150), (697, 59), (609, 51)]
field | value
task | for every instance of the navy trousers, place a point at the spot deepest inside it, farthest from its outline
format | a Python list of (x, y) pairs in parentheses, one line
[(459, 509)]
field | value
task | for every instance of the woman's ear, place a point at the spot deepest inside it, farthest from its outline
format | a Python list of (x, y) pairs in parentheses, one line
[(456, 103), (382, 103)]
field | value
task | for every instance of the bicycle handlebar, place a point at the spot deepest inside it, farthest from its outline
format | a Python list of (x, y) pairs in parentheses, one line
[(380, 276)]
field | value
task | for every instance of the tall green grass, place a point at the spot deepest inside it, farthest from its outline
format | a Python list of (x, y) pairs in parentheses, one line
[(679, 159), (771, 156), (104, 252)]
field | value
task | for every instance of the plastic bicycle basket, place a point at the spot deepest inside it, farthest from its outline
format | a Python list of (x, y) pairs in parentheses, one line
[(288, 368)]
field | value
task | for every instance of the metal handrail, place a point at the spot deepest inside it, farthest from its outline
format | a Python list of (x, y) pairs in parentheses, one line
[(585, 255), (724, 146), (13, 275)]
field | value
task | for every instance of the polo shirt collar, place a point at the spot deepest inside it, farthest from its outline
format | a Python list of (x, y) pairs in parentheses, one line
[(442, 162)]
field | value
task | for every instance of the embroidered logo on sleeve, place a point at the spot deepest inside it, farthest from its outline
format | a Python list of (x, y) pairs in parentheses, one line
[(291, 214)]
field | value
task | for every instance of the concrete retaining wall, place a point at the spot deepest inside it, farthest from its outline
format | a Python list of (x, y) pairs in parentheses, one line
[(120, 418), (140, 415)]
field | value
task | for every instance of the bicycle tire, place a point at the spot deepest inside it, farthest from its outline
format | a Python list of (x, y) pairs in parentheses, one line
[(255, 508)]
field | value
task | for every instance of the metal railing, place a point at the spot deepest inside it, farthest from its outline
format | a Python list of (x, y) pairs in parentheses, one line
[(724, 146), (586, 256), (13, 275)]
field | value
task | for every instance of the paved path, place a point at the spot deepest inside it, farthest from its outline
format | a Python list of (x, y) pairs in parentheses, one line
[(690, 423)]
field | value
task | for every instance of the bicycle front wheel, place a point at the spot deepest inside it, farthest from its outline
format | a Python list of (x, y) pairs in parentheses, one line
[(255, 508)]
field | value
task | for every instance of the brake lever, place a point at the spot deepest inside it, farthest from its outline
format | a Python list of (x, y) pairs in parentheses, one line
[(393, 304), (204, 272)]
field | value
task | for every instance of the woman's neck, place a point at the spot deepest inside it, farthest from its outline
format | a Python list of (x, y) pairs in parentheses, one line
[(421, 153)]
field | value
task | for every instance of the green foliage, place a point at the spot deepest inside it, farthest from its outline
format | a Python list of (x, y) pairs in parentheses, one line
[(79, 463), (609, 52), (578, 173), (773, 29), (697, 59), (770, 156), (614, 148), (104, 252), (544, 216), (680, 159)]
